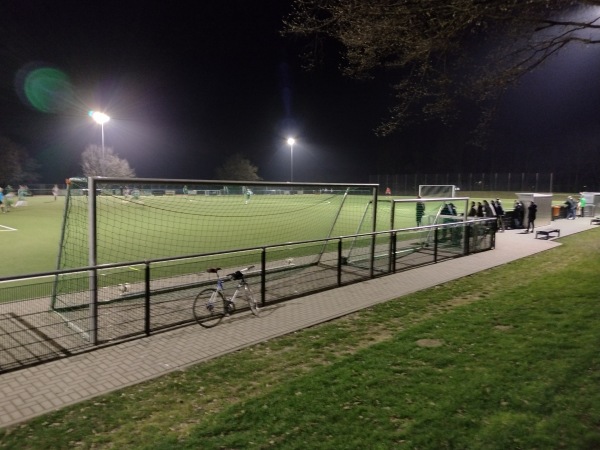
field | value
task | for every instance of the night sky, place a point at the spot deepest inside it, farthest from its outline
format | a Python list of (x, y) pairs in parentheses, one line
[(188, 86)]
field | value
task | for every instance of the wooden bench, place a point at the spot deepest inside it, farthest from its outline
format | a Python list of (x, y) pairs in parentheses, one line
[(547, 232)]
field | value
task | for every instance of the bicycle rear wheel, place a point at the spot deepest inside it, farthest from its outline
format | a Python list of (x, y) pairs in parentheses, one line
[(252, 303), (209, 308)]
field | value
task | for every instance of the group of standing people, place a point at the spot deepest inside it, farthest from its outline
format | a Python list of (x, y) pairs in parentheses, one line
[(519, 215), (491, 209), (494, 209)]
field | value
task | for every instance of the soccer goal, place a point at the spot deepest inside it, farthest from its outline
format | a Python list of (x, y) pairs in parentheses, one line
[(416, 216), (437, 190), (419, 214), (113, 220)]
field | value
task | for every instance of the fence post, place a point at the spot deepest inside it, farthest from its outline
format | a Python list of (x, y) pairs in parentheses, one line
[(263, 281), (93, 284), (393, 252), (435, 245), (147, 298), (92, 261), (339, 262)]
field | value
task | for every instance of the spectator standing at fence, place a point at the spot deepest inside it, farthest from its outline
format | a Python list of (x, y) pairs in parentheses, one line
[(488, 210), (480, 209), (531, 213), (499, 213), (55, 191), (472, 210), (420, 212), (582, 203), (445, 212)]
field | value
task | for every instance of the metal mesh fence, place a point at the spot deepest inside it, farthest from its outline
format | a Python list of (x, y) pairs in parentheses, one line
[(408, 184), (158, 295)]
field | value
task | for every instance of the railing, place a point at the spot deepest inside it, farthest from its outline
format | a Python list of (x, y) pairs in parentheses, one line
[(108, 304)]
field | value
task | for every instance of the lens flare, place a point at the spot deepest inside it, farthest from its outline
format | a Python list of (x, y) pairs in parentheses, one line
[(45, 89)]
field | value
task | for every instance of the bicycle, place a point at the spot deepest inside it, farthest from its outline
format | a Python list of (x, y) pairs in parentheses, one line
[(211, 305)]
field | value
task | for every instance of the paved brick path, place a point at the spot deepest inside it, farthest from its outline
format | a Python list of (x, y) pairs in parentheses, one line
[(34, 391)]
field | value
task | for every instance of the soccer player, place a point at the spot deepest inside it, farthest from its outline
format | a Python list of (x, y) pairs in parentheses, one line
[(420, 212), (248, 194)]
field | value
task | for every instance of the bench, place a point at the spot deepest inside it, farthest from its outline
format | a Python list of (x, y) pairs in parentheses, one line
[(547, 232), (595, 221)]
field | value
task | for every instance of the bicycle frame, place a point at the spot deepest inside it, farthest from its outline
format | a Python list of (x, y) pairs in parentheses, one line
[(209, 309)]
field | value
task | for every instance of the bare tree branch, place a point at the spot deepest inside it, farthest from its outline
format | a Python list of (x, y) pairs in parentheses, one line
[(442, 53)]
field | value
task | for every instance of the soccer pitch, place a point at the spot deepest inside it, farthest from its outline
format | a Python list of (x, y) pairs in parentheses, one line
[(30, 235)]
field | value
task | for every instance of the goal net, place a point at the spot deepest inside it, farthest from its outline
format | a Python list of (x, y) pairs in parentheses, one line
[(437, 190), (113, 220), (420, 214)]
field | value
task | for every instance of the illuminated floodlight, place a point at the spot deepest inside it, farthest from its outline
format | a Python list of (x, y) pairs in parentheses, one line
[(99, 117), (291, 141)]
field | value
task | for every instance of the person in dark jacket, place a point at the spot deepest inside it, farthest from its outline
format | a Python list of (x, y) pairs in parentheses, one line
[(480, 209), (497, 205), (472, 210), (488, 210), (519, 214), (571, 208), (531, 213)]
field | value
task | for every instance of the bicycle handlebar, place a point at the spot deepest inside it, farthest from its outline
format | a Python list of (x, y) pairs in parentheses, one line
[(232, 276), (238, 274)]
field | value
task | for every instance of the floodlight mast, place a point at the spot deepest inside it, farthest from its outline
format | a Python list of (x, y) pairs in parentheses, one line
[(100, 118), (291, 141)]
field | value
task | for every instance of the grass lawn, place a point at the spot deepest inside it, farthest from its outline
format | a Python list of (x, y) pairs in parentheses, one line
[(504, 359)]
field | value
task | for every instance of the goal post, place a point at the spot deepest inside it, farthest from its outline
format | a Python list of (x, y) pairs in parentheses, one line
[(121, 220), (423, 212)]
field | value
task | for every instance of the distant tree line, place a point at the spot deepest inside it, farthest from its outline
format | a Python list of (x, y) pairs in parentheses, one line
[(16, 166)]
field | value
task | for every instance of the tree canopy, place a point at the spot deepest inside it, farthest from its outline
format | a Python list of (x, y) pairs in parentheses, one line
[(443, 54), (96, 161), (16, 166), (237, 168)]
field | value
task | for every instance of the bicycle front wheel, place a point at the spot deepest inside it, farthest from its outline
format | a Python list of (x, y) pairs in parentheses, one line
[(209, 308), (252, 303)]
